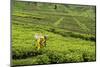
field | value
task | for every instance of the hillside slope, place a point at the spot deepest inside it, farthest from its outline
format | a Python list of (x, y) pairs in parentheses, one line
[(70, 30)]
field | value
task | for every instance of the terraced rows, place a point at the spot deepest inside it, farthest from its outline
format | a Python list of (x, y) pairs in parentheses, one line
[(68, 39)]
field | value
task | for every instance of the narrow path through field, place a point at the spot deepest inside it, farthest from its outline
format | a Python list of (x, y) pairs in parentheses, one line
[(82, 26), (59, 21)]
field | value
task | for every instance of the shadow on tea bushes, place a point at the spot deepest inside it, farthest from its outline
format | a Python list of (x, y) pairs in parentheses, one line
[(24, 52), (45, 56), (89, 56), (73, 34)]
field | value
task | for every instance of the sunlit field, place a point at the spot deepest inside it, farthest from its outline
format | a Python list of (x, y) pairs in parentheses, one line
[(70, 30)]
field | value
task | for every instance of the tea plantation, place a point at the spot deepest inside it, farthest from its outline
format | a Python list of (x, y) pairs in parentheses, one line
[(70, 30)]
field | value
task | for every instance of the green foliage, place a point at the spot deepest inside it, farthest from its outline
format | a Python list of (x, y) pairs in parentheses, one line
[(55, 57), (73, 57), (43, 59), (88, 56), (73, 34), (19, 52), (69, 39)]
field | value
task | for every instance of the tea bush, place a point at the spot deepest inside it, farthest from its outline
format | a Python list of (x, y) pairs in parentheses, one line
[(43, 59), (55, 57), (68, 41)]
